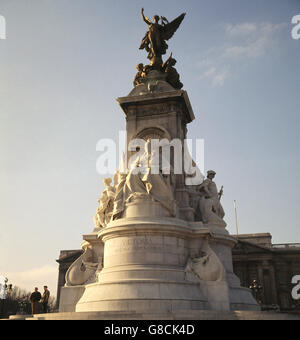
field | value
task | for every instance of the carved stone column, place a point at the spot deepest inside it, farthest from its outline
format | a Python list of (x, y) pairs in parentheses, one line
[(159, 115)]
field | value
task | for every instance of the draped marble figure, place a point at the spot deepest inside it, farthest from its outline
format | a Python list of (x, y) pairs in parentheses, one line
[(104, 210), (209, 202), (140, 183)]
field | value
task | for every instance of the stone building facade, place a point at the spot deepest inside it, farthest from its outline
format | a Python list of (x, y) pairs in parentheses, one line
[(66, 258), (272, 265), (254, 258)]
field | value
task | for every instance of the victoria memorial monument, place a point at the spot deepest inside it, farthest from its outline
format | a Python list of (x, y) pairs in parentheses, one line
[(159, 247)]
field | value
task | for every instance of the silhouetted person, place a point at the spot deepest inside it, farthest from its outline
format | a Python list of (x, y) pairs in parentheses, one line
[(45, 299), (35, 297)]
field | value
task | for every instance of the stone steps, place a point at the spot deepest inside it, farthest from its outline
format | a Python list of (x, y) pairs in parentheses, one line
[(175, 315)]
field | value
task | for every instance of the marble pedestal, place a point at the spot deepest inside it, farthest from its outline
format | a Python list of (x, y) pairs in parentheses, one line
[(146, 268), (152, 261)]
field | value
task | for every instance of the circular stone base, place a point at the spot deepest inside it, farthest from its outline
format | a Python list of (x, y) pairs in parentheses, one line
[(178, 315), (147, 265)]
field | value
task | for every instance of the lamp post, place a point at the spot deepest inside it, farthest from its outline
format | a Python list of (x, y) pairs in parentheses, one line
[(257, 291)]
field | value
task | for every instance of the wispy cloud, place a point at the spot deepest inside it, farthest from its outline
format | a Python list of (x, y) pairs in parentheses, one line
[(242, 29), (248, 40), (217, 77), (257, 39)]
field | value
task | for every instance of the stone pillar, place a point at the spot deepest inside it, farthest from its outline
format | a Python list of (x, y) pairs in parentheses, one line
[(158, 116), (274, 284)]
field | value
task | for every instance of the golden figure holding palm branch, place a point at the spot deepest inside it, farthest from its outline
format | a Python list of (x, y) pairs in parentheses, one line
[(154, 41)]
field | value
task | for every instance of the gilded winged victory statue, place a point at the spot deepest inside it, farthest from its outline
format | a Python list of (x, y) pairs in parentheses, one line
[(154, 41)]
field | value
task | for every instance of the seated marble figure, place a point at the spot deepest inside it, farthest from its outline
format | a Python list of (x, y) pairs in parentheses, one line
[(141, 183), (209, 201)]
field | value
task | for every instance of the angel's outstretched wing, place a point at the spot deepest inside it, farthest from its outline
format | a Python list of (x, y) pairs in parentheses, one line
[(169, 29)]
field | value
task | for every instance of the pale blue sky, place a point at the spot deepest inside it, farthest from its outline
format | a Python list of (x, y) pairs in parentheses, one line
[(63, 64)]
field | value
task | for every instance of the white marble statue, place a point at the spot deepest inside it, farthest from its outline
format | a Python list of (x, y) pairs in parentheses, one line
[(159, 181), (209, 201), (140, 183), (84, 270), (119, 201), (105, 208), (206, 267)]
